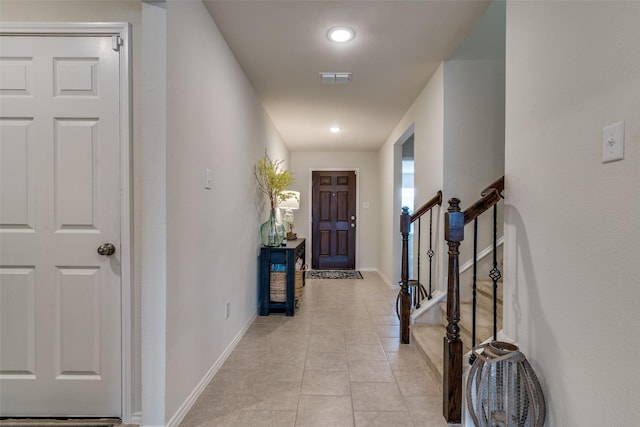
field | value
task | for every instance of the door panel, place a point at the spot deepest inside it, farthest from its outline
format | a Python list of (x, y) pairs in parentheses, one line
[(60, 332), (333, 219), (17, 322), (17, 197)]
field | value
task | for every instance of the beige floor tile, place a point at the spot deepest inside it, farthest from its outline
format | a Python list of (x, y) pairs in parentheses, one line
[(325, 411), (390, 344), (363, 323), (326, 360), (382, 419), (265, 419), (388, 331), (327, 330), (326, 343), (289, 340), (296, 324), (360, 336), (407, 358), (385, 320), (377, 397), (365, 352), (262, 329), (275, 397), (416, 383), (283, 359), (370, 371), (271, 318), (325, 383), (215, 410), (245, 359), (270, 376), (254, 344), (327, 320), (340, 353), (236, 381), (426, 411)]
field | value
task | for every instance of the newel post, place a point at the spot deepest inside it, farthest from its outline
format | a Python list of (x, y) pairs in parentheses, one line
[(452, 375), (405, 297)]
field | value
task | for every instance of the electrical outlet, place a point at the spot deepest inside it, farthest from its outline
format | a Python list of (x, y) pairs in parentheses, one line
[(227, 309), (613, 142)]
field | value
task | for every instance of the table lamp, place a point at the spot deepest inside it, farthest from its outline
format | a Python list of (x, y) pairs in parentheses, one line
[(289, 204)]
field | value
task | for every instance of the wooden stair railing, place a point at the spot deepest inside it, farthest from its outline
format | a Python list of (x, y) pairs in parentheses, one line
[(405, 297), (454, 223)]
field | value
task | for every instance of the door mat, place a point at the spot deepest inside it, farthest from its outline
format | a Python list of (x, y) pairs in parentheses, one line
[(333, 274)]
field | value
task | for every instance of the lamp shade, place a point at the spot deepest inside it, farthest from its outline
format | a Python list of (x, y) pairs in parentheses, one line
[(291, 202)]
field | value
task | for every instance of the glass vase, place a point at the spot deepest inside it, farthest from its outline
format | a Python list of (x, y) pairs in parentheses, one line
[(272, 232)]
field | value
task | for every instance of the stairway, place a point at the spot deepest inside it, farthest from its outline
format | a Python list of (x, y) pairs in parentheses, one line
[(429, 338)]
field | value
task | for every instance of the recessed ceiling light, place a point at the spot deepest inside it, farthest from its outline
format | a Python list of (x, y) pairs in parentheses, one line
[(341, 34), (335, 129)]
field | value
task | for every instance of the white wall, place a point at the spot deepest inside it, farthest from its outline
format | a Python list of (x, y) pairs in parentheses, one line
[(572, 232), (474, 109), (367, 232), (474, 125), (458, 121), (214, 121), (425, 115)]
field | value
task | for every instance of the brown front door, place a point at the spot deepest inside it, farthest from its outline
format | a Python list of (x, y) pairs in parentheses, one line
[(333, 220)]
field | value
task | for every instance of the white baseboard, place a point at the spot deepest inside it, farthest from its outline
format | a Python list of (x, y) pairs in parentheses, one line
[(136, 419), (385, 279), (195, 394)]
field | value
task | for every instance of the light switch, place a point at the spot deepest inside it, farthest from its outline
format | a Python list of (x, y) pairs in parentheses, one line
[(365, 205), (613, 142), (207, 179)]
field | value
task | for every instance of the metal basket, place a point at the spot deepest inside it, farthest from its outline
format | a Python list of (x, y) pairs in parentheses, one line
[(503, 390)]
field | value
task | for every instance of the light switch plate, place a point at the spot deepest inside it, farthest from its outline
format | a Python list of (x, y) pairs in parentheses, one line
[(207, 179), (613, 142)]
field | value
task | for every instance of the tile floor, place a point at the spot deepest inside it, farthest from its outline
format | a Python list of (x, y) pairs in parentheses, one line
[(337, 362)]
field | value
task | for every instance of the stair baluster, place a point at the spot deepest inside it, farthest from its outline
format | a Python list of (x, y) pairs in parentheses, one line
[(474, 305), (452, 381), (495, 273), (405, 296), (413, 287), (454, 234), (430, 254)]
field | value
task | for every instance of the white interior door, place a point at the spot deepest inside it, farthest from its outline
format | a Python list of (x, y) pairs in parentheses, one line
[(60, 334)]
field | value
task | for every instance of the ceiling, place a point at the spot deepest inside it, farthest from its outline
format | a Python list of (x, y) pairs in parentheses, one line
[(282, 47)]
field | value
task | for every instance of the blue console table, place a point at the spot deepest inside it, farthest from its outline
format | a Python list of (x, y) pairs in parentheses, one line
[(285, 255)]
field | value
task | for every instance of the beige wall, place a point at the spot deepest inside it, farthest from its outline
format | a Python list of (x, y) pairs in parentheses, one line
[(572, 235), (367, 164)]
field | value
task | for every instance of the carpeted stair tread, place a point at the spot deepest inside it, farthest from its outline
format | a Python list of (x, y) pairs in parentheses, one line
[(428, 339), (484, 323), (485, 295)]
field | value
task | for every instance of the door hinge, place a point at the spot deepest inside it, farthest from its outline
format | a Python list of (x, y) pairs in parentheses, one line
[(116, 42)]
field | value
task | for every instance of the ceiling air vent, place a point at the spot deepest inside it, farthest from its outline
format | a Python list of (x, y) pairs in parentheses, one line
[(335, 78)]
